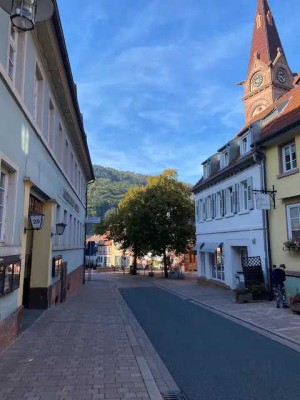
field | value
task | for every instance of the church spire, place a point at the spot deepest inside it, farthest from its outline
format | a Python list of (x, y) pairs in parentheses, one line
[(269, 75), (265, 39)]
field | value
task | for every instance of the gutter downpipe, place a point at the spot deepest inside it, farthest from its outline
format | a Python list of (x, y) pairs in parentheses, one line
[(86, 190), (266, 226)]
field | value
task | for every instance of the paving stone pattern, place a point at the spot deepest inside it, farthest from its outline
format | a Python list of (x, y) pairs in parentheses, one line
[(78, 350)]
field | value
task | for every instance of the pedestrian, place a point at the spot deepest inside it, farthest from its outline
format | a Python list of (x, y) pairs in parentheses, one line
[(278, 278)]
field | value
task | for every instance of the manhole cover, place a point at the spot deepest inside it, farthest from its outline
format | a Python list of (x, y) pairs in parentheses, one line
[(174, 396)]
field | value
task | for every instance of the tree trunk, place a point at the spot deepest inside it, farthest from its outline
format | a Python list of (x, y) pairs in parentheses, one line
[(166, 265), (134, 267)]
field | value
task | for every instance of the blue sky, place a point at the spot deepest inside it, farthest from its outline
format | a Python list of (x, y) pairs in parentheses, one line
[(157, 78)]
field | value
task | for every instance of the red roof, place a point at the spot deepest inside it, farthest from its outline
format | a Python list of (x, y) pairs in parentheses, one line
[(265, 39)]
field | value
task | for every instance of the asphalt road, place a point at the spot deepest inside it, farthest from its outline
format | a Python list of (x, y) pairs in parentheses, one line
[(210, 357)]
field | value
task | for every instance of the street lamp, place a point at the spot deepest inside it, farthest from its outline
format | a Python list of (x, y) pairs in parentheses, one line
[(60, 228), (37, 222), (25, 13)]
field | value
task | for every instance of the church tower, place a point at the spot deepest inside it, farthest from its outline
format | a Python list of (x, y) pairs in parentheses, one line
[(269, 75)]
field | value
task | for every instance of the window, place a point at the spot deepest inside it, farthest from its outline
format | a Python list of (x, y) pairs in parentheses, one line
[(66, 233), (244, 195), (217, 264), (66, 157), (293, 221), (219, 205), (209, 208), (51, 124), (289, 159), (20, 62), (38, 97), (71, 168), (12, 55), (9, 275), (3, 201), (206, 170), (245, 144), (59, 143), (229, 201), (246, 201), (57, 221), (225, 159)]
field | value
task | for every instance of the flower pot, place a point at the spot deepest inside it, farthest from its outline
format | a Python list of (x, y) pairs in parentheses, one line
[(295, 307), (243, 298)]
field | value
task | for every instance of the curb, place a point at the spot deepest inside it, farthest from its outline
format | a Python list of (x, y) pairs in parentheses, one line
[(285, 340), (151, 386)]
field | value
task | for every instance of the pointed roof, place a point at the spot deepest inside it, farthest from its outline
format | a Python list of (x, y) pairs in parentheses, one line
[(265, 39)]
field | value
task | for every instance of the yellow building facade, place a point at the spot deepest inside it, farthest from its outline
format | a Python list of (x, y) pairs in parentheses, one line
[(280, 142)]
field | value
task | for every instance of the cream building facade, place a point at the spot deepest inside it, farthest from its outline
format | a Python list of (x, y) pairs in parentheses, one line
[(45, 167)]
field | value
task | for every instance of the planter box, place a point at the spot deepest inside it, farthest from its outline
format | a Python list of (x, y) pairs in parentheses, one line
[(295, 307), (243, 298)]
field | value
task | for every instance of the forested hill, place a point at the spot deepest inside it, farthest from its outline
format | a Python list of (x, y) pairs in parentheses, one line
[(110, 186)]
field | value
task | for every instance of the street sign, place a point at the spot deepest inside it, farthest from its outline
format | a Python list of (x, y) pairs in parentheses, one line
[(263, 201), (92, 220)]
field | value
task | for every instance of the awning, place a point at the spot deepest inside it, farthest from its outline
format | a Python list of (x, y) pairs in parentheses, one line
[(198, 246), (210, 247)]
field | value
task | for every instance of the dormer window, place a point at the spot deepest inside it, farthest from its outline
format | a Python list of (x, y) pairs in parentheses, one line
[(225, 159), (206, 170), (245, 144)]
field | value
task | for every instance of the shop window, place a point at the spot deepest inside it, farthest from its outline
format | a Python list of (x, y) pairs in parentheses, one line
[(217, 264), (9, 276), (56, 266)]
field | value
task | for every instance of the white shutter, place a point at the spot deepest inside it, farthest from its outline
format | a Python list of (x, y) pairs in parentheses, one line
[(250, 193), (237, 198)]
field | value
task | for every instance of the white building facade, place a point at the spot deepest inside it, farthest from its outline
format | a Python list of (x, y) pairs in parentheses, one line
[(229, 227), (45, 167)]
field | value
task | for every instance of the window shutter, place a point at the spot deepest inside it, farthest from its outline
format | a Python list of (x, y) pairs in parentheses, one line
[(197, 210), (224, 202), (237, 198), (250, 193), (213, 206)]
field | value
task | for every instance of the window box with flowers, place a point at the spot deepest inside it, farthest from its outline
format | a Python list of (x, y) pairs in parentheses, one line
[(295, 303), (291, 244)]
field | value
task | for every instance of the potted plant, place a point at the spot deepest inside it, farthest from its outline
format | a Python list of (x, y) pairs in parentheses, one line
[(243, 296), (292, 244), (295, 303), (258, 291)]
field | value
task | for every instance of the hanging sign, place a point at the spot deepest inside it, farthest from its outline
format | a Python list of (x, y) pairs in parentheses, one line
[(263, 201)]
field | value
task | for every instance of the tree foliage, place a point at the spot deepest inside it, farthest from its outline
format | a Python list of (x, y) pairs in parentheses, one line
[(156, 218), (109, 188)]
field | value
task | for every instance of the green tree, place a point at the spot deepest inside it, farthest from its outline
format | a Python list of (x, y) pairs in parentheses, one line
[(170, 210), (127, 224)]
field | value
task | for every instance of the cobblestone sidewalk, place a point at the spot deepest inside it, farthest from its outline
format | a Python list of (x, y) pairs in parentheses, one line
[(84, 349)]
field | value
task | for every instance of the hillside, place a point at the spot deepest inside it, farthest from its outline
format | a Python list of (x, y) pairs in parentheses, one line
[(110, 186)]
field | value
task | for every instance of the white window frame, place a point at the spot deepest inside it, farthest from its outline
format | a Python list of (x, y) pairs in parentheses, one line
[(244, 202), (225, 159), (293, 162), (38, 96), (51, 123), (288, 218), (219, 205), (245, 144), (230, 201), (4, 190), (12, 44)]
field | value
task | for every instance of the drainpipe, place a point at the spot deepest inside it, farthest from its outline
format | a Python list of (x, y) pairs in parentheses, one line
[(266, 224)]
